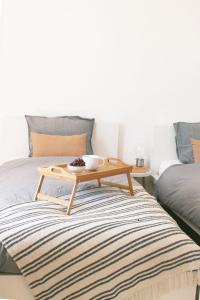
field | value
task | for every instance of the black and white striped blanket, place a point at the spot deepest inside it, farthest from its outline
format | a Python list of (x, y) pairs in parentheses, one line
[(113, 246)]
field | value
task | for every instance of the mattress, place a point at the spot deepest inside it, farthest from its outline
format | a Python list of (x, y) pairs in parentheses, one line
[(178, 188)]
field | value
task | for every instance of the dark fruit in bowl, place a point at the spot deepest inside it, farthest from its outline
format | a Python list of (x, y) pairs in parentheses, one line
[(78, 162)]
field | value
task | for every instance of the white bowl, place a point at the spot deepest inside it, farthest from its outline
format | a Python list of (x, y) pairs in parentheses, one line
[(75, 169)]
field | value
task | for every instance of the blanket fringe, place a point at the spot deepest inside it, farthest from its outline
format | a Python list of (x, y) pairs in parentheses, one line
[(165, 285)]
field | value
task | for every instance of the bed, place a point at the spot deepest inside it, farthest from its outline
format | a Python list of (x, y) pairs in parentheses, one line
[(129, 248), (178, 183)]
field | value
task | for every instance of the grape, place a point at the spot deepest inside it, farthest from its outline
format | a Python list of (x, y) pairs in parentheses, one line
[(78, 162)]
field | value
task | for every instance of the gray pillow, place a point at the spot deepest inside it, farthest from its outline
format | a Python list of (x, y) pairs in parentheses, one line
[(64, 125), (184, 133)]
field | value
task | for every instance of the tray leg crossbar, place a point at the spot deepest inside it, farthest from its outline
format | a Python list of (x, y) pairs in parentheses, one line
[(114, 184), (51, 199), (128, 187)]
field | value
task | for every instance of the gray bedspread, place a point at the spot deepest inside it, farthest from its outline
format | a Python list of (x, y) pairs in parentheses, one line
[(179, 189), (18, 180)]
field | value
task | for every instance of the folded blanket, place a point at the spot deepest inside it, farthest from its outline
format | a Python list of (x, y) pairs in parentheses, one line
[(113, 246)]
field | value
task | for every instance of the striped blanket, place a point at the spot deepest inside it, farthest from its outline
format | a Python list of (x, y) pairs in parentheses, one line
[(113, 246)]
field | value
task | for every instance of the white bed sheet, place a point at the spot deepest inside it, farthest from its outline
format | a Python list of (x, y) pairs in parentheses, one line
[(166, 164)]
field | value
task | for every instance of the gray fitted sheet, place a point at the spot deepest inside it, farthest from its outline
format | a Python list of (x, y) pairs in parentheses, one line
[(18, 181), (179, 189)]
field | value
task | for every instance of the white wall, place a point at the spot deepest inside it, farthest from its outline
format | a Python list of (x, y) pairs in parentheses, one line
[(128, 61)]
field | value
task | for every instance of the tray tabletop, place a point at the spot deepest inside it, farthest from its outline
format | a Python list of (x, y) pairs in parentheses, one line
[(110, 168)]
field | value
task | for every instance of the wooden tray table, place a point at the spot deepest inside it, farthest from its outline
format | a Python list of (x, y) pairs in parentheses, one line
[(111, 167)]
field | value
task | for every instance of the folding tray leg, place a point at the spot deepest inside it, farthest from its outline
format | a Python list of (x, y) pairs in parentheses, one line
[(39, 187), (72, 198), (130, 183)]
